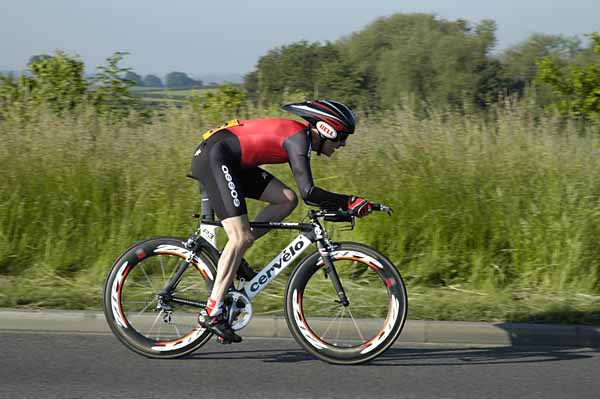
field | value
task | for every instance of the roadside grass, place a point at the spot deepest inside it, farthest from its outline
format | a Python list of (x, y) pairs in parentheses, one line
[(497, 217), (424, 303)]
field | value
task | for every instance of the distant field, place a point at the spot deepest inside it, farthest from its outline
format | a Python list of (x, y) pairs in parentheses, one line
[(154, 96)]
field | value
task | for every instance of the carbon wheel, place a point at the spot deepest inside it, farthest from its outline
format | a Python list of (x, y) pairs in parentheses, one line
[(346, 334), (136, 309)]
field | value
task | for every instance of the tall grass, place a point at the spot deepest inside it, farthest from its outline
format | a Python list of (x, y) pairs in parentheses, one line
[(495, 204), (508, 203)]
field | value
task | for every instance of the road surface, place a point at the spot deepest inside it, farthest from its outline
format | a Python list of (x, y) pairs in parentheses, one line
[(75, 365)]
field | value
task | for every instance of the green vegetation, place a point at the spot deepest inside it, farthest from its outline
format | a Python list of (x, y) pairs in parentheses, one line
[(496, 196), (57, 83), (494, 219), (175, 80), (417, 61), (579, 88), (152, 81), (134, 78)]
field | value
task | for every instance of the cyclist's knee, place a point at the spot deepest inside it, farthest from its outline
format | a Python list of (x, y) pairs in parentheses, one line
[(247, 240), (291, 199), (238, 231), (242, 239)]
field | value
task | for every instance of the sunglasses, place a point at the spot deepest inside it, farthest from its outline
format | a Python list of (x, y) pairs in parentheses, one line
[(341, 137)]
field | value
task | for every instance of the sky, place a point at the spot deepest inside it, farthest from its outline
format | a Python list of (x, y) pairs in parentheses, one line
[(202, 37)]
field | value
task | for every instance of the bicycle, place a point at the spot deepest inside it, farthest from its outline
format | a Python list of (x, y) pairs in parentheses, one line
[(344, 303)]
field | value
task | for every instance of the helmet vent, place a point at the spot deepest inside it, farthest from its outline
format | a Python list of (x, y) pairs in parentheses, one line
[(334, 116)]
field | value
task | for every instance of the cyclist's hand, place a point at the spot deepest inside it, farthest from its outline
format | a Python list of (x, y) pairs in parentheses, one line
[(358, 206)]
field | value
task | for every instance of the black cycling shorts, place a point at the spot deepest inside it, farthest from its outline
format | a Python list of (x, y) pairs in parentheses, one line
[(216, 164)]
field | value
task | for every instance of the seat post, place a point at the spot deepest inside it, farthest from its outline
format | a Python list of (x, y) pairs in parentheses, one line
[(209, 233)]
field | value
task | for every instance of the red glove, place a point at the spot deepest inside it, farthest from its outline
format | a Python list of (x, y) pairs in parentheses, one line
[(358, 206)]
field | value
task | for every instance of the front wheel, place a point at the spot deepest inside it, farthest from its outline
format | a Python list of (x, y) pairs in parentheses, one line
[(144, 317), (349, 334)]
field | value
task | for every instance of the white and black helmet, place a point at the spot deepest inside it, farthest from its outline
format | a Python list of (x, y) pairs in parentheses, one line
[(333, 120)]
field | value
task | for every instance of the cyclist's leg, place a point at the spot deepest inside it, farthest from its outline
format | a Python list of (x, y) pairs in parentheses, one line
[(261, 185), (219, 171), (282, 201), (240, 238)]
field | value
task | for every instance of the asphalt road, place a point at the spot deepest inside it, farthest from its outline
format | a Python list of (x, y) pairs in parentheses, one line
[(63, 365)]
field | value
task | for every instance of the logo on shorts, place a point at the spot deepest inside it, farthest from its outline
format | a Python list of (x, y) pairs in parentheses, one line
[(231, 186)]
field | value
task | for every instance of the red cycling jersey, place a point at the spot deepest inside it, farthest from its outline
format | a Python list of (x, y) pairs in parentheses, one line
[(228, 161), (261, 140)]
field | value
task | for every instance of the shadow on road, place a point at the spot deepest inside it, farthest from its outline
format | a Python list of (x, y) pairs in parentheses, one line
[(268, 356), (560, 316), (438, 356), (478, 356)]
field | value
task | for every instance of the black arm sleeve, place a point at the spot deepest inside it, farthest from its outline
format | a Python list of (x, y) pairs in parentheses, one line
[(298, 148)]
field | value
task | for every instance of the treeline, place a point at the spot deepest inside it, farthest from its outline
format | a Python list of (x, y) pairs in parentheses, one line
[(57, 83), (405, 61), (431, 62), (173, 80)]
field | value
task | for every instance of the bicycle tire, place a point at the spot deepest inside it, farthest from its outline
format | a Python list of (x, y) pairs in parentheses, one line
[(378, 303), (133, 283)]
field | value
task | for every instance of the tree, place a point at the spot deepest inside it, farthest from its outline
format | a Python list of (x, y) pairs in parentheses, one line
[(111, 95), (290, 69), (15, 94), (520, 61), (152, 81), (135, 78), (40, 57), (434, 61), (337, 78), (216, 106), (579, 86), (179, 80), (57, 81)]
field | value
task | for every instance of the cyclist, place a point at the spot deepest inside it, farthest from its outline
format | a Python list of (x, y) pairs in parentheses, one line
[(227, 164)]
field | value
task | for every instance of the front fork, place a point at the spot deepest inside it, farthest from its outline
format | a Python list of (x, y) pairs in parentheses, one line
[(324, 250)]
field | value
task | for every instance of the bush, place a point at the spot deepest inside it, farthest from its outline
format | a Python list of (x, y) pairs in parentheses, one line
[(579, 87), (57, 83)]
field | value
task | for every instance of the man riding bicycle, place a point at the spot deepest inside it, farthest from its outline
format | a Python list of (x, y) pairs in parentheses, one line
[(227, 164)]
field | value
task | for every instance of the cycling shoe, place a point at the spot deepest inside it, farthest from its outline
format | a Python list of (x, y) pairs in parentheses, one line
[(218, 325)]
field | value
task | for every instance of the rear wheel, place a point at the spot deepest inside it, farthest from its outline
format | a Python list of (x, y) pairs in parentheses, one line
[(346, 334), (145, 318)]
